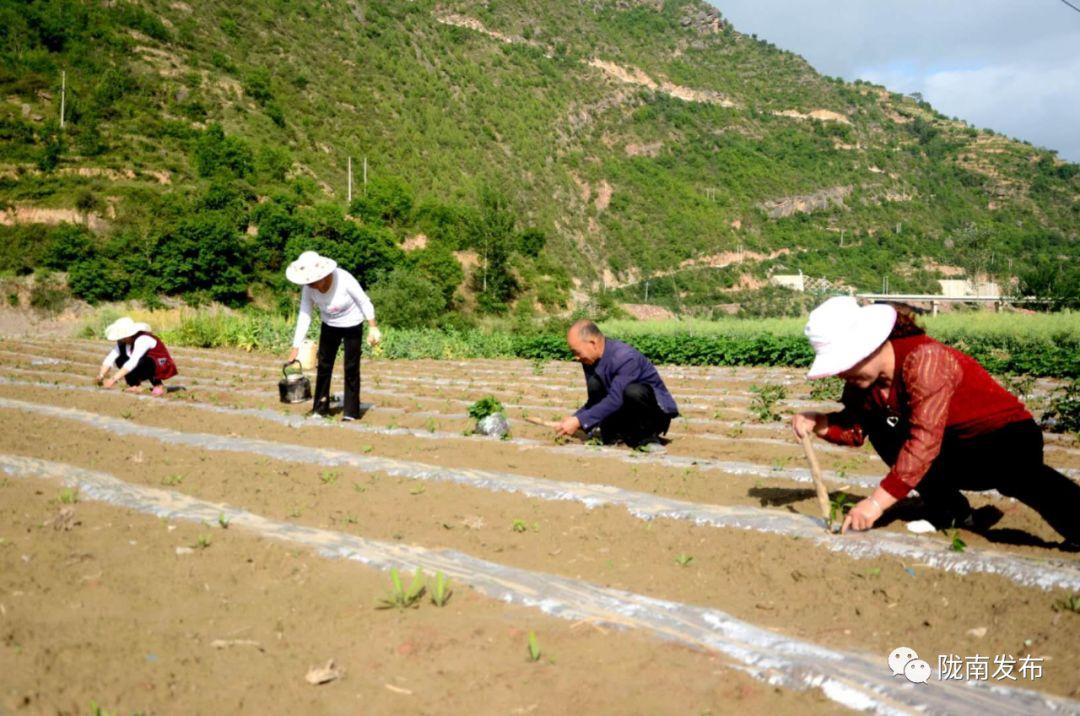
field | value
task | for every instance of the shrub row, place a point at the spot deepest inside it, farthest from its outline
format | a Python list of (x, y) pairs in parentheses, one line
[(1058, 356), (1038, 355)]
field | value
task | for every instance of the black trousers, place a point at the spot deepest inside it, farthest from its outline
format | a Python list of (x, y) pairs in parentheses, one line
[(640, 419), (144, 370), (1009, 460), (330, 338)]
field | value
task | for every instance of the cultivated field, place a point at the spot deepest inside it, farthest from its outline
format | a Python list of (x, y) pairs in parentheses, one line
[(199, 553)]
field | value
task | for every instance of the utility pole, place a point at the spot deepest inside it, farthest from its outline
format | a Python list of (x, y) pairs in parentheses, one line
[(365, 176), (646, 290), (349, 194), (841, 238), (63, 92)]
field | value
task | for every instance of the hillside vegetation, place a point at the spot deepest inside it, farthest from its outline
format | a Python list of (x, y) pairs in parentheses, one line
[(546, 152)]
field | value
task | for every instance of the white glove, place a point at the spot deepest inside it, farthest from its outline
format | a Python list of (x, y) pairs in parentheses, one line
[(374, 336)]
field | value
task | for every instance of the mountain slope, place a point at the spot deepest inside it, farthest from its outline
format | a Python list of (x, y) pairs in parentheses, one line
[(644, 138)]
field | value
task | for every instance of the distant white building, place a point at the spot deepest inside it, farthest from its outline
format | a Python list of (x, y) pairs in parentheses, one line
[(961, 288), (796, 282)]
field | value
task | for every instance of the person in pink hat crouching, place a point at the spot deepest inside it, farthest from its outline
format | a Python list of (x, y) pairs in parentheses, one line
[(343, 308), (138, 356), (934, 415)]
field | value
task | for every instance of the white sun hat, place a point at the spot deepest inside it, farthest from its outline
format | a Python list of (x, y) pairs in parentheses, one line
[(842, 333), (124, 328), (309, 267)]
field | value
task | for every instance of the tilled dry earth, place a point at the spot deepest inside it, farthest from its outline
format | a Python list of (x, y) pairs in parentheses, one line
[(107, 611)]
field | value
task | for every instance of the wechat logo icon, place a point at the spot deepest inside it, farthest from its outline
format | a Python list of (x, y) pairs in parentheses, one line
[(903, 661)]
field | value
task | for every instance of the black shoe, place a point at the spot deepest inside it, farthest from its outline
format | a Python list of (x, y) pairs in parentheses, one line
[(950, 520), (984, 518)]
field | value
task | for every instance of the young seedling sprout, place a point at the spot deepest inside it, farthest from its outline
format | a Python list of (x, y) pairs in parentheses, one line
[(440, 595), (223, 521), (534, 647), (400, 597), (1068, 604), (96, 710), (838, 507), (69, 496), (684, 560), (956, 543)]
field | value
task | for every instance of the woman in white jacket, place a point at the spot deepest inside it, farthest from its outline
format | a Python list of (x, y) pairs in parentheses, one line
[(343, 307)]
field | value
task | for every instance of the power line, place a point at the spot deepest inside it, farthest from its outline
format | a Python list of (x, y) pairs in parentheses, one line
[(1074, 7)]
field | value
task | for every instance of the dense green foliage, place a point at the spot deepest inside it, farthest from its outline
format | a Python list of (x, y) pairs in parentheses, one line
[(1003, 344), (219, 137)]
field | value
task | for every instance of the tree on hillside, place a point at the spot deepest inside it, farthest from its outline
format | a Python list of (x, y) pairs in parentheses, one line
[(386, 200), (494, 239), (216, 153), (363, 250), (205, 253)]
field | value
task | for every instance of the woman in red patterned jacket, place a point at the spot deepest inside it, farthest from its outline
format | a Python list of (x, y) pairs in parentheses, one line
[(934, 415)]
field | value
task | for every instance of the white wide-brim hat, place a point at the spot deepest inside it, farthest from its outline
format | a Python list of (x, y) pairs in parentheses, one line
[(309, 267), (124, 328), (842, 333)]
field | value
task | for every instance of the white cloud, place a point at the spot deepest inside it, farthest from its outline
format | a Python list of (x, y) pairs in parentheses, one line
[(1037, 103), (1010, 65)]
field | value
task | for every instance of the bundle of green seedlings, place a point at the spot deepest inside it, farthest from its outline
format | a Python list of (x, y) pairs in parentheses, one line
[(485, 407)]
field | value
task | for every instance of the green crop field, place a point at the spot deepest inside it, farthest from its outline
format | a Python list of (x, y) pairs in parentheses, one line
[(1032, 344)]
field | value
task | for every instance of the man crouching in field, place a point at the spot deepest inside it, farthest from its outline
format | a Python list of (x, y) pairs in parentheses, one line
[(627, 398)]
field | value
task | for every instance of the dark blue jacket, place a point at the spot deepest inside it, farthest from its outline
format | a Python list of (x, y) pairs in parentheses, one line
[(618, 367)]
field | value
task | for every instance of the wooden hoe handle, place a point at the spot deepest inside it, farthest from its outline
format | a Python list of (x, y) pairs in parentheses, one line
[(545, 423), (815, 472)]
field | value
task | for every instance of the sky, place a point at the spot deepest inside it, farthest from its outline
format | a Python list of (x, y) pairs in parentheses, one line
[(1008, 65)]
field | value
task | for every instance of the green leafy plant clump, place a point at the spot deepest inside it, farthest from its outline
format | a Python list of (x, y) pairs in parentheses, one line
[(763, 404), (484, 407)]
